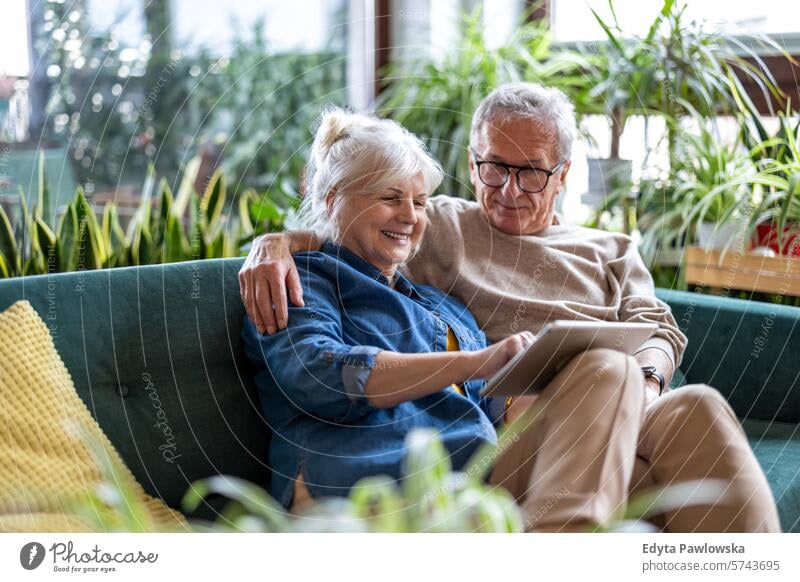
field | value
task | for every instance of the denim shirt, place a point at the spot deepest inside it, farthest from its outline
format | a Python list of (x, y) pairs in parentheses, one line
[(311, 376)]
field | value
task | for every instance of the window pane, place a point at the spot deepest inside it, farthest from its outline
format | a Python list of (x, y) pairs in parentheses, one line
[(572, 20)]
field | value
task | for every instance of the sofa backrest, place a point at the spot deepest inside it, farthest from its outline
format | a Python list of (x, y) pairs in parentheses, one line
[(155, 354), (748, 350)]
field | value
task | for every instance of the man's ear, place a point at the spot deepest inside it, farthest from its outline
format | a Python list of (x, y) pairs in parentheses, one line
[(473, 169), (562, 174), (329, 199)]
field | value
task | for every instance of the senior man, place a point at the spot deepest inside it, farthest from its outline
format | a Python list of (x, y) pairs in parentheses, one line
[(607, 428)]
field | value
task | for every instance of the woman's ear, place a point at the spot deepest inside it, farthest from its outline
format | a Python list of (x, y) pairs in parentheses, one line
[(329, 198)]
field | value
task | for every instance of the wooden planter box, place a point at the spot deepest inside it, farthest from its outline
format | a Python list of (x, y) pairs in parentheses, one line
[(744, 271)]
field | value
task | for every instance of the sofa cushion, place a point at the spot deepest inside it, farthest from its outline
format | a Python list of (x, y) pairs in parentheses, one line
[(52, 451), (777, 448), (155, 354)]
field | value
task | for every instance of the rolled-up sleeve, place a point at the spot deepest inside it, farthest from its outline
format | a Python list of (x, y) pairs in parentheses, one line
[(359, 362), (639, 304), (309, 361)]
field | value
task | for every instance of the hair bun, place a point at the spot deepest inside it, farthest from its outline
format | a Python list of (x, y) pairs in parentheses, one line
[(334, 124)]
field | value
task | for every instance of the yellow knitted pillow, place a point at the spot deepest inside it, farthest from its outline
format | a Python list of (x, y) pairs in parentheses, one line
[(52, 452)]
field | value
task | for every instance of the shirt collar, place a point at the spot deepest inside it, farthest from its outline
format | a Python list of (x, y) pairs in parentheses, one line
[(401, 283)]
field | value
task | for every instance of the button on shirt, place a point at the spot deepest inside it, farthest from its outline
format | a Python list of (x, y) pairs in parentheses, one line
[(311, 376)]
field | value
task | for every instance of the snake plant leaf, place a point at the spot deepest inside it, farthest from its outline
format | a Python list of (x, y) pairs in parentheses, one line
[(8, 244), (43, 209), (176, 244), (166, 201), (30, 267), (85, 255), (195, 229), (149, 185), (139, 236), (4, 272), (141, 218), (186, 188), (215, 247), (158, 221), (114, 237), (246, 200), (213, 201), (141, 248), (49, 246), (91, 252), (36, 262), (68, 238), (25, 226)]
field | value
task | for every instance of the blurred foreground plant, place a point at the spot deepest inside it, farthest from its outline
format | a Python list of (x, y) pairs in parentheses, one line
[(430, 498)]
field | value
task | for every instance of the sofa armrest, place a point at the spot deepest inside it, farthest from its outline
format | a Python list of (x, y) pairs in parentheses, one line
[(748, 350)]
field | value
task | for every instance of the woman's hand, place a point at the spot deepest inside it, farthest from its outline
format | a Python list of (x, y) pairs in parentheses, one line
[(491, 360)]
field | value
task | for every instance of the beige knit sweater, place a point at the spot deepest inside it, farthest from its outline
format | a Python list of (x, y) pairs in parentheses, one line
[(517, 283)]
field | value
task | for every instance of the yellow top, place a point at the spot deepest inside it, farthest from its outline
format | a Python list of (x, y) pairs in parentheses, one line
[(452, 346)]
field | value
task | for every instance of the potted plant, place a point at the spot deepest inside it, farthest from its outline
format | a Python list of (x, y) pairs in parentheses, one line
[(708, 199), (777, 221), (676, 70)]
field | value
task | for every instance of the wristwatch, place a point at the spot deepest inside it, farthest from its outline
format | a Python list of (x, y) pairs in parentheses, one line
[(651, 372)]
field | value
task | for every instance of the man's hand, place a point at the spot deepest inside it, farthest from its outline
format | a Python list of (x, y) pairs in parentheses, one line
[(662, 363), (268, 272)]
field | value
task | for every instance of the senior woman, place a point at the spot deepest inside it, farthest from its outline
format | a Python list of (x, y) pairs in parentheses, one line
[(370, 355)]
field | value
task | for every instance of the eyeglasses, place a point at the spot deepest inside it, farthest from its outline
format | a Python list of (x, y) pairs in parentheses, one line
[(529, 179)]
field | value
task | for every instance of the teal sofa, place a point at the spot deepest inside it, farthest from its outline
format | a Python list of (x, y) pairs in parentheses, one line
[(156, 355)]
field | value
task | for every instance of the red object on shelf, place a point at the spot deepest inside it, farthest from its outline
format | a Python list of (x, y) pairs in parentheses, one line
[(767, 236)]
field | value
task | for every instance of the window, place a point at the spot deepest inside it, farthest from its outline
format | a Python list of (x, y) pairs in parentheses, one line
[(14, 39), (572, 20)]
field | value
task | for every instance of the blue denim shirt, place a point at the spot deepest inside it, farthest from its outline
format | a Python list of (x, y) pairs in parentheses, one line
[(311, 376)]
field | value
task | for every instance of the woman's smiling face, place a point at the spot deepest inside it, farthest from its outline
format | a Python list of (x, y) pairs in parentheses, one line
[(385, 227)]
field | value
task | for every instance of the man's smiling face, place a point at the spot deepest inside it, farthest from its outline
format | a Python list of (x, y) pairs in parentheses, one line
[(519, 141)]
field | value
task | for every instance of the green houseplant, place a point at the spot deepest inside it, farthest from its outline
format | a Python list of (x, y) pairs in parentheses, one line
[(777, 215), (727, 190), (710, 183), (678, 69)]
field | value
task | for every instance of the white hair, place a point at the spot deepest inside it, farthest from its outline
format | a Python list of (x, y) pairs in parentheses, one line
[(354, 154), (545, 105)]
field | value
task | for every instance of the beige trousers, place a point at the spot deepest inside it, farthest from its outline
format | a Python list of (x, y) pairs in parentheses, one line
[(596, 441)]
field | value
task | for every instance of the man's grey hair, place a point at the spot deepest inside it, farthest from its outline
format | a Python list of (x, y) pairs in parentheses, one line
[(545, 105)]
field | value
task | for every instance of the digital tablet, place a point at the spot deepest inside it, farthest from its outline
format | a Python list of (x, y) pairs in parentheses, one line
[(534, 367)]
